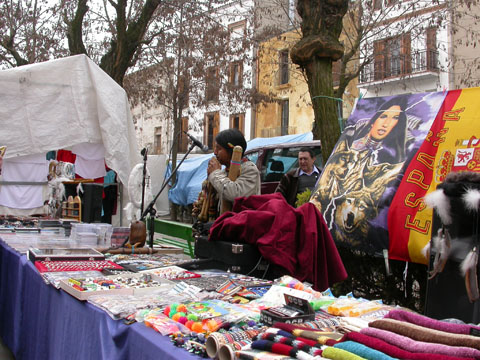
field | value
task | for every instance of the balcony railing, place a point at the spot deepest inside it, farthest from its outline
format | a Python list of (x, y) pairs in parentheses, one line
[(392, 66)]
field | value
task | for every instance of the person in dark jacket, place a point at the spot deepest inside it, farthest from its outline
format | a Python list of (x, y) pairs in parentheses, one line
[(298, 180)]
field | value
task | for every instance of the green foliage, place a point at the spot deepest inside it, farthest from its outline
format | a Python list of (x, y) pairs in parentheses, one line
[(303, 197)]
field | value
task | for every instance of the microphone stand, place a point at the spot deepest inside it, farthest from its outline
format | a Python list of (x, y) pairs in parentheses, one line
[(144, 153), (150, 208)]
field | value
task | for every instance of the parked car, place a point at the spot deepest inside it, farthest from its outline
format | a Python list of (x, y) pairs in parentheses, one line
[(275, 160)]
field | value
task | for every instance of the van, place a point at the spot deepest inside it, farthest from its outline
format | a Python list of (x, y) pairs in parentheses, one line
[(275, 160)]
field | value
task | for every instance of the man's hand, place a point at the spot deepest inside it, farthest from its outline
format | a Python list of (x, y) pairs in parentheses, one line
[(213, 165)]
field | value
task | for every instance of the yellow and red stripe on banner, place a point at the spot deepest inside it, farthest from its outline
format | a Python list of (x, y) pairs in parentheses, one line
[(451, 145)]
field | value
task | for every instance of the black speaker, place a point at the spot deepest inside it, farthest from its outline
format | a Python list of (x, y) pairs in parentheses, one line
[(92, 202), (446, 292)]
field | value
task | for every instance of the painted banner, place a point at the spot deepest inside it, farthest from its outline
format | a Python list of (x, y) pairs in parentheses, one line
[(363, 173), (451, 145)]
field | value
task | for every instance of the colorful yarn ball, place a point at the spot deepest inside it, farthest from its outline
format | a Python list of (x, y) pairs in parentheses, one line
[(181, 308), (174, 306), (181, 313), (175, 317), (192, 317), (299, 286), (171, 313), (182, 319), (166, 311), (212, 325), (189, 324), (251, 323), (197, 327)]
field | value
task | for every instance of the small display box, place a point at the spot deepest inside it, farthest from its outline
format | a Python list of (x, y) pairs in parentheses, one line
[(35, 254), (296, 311)]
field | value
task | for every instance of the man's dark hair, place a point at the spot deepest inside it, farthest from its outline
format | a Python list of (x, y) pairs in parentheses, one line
[(230, 138), (309, 150)]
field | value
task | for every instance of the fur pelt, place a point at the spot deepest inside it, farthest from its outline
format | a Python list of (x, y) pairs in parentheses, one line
[(439, 201), (462, 176), (135, 180), (471, 198)]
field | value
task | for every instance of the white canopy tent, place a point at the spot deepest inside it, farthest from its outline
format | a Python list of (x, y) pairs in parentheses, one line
[(65, 102)]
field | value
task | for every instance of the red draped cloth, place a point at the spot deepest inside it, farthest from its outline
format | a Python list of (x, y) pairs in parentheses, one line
[(295, 239)]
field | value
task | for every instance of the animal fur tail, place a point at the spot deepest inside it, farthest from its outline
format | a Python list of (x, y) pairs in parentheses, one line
[(441, 245), (469, 271)]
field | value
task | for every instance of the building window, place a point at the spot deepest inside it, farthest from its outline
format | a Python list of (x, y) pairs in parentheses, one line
[(157, 140), (212, 84), (236, 74), (183, 141), (237, 121), (392, 57), (284, 109), (283, 67), (211, 123), (237, 30), (432, 54)]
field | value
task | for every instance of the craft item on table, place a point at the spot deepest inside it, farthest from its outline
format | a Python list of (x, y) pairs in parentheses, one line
[(247, 353), (75, 265), (411, 345), (205, 309), (253, 292), (309, 347), (35, 254), (276, 295), (164, 325), (395, 351), (188, 291), (235, 313), (293, 283), (351, 324), (83, 288), (425, 321), (139, 265), (321, 303), (282, 349), (340, 354), (421, 333), (122, 306), (172, 273), (54, 278), (216, 339), (322, 337), (208, 283), (295, 311), (228, 288), (110, 272), (250, 281), (362, 350)]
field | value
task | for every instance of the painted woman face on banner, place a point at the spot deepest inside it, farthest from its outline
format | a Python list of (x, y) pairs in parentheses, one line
[(361, 175)]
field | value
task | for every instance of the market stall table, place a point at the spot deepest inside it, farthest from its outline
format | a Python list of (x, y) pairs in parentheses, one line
[(38, 321)]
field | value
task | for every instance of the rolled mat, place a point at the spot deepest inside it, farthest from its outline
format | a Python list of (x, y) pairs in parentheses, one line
[(395, 351), (362, 350), (339, 354), (425, 321), (312, 350), (281, 349), (408, 344), (421, 333)]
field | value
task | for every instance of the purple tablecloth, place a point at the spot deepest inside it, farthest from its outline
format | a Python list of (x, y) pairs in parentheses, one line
[(38, 321)]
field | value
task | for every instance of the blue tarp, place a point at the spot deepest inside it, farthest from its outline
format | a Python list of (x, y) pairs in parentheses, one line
[(193, 171)]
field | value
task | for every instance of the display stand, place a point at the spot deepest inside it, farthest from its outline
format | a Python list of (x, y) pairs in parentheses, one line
[(150, 210)]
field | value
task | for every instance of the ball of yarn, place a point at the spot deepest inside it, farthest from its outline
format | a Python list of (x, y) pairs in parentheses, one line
[(189, 324), (197, 327), (192, 317), (181, 308), (182, 319)]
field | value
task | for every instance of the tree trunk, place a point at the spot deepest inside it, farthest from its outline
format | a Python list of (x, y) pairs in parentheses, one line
[(326, 128)]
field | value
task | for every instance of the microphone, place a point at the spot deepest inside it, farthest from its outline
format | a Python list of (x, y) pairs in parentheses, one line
[(197, 142)]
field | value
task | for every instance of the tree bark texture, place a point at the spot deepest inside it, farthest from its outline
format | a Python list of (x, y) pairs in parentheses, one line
[(326, 126), (314, 52)]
